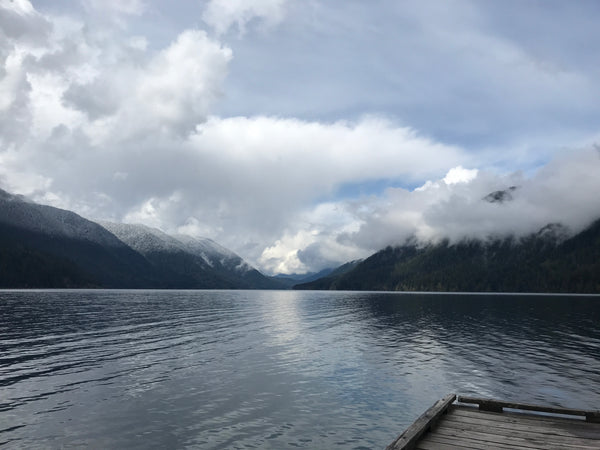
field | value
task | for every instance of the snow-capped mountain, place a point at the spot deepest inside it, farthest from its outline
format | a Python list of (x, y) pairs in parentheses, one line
[(43, 246), (190, 262), (20, 212), (143, 239), (214, 254)]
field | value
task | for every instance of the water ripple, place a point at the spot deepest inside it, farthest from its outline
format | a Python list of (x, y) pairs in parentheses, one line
[(252, 369)]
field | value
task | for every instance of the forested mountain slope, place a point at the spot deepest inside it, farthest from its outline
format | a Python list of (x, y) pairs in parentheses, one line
[(546, 261)]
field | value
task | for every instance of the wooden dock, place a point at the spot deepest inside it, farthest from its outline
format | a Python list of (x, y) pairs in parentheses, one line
[(475, 423)]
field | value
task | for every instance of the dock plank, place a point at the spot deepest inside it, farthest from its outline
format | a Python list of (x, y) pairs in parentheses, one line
[(564, 432), (525, 416), (573, 427), (448, 426), (413, 433), (428, 443), (493, 439), (487, 404), (434, 440), (501, 433)]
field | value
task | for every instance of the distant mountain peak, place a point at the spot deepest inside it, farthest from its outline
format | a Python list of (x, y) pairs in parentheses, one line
[(8, 197), (500, 196), (200, 254), (556, 232), (213, 253), (18, 211)]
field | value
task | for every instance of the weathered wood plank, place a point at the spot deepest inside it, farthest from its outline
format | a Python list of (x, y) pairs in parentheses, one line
[(552, 429), (527, 416), (449, 444), (430, 445), (542, 433), (412, 434), (487, 404), (459, 426), (493, 440), (491, 429), (456, 443), (574, 425)]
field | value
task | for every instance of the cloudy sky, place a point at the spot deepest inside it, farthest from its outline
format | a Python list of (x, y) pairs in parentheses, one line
[(304, 133)]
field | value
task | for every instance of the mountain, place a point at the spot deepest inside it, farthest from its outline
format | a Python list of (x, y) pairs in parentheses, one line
[(190, 263), (326, 282), (546, 261), (289, 280), (46, 247), (500, 196), (42, 246), (229, 264)]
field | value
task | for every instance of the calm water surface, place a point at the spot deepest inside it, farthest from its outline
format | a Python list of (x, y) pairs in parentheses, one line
[(264, 369)]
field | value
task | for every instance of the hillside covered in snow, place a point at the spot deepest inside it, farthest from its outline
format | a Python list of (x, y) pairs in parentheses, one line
[(46, 247)]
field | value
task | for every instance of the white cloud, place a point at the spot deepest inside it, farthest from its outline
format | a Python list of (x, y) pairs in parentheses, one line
[(221, 15), (107, 123), (76, 96), (460, 175), (105, 87), (474, 74), (282, 256), (169, 92), (311, 243), (181, 83), (18, 6), (118, 131), (310, 157), (564, 191)]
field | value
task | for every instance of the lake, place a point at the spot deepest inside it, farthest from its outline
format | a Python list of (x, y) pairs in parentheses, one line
[(276, 369)]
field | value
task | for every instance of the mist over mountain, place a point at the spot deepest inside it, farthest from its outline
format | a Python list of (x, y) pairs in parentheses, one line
[(474, 231), (500, 196), (547, 261)]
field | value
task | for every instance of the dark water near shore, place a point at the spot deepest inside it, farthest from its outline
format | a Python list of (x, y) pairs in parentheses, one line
[(262, 369)]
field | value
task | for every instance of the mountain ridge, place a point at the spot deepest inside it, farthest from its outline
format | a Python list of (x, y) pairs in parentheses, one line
[(198, 263), (46, 247), (546, 261)]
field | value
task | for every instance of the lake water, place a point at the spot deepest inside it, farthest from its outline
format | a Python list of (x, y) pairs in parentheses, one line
[(276, 369)]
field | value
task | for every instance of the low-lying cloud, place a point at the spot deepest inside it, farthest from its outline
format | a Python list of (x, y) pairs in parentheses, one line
[(564, 191)]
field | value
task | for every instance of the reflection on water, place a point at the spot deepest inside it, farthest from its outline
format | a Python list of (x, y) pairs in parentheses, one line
[(248, 369)]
